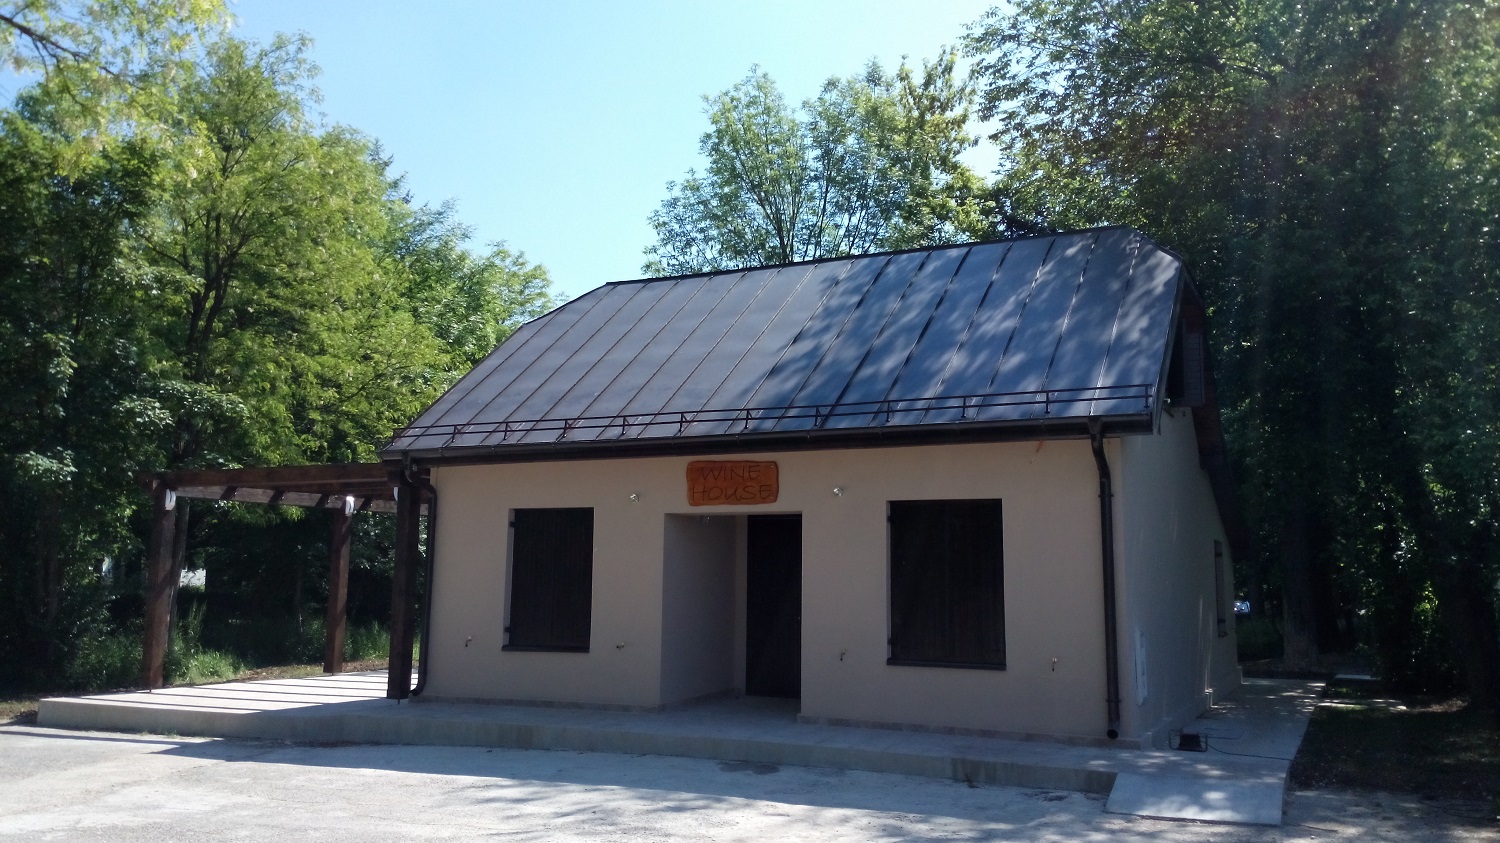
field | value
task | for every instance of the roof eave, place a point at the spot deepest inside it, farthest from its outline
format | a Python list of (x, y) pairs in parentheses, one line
[(1071, 427)]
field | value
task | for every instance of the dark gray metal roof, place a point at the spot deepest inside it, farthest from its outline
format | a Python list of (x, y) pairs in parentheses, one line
[(1019, 333)]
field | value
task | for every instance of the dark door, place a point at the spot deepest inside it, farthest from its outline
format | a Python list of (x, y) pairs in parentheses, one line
[(773, 606)]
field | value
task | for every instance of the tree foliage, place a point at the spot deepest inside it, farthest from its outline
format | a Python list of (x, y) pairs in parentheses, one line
[(871, 163), (106, 61), (82, 409), (125, 40), (223, 280), (1330, 168)]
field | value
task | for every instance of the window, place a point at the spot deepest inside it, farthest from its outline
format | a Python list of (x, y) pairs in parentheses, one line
[(551, 579), (947, 584), (1221, 591)]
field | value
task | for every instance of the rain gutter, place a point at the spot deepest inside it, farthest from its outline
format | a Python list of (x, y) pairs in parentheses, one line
[(1107, 552)]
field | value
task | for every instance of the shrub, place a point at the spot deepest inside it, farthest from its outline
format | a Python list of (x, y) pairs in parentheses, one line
[(105, 662), (203, 667), (366, 641), (1257, 637), (189, 661)]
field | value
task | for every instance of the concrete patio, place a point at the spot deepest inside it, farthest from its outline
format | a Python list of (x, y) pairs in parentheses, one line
[(1240, 778)]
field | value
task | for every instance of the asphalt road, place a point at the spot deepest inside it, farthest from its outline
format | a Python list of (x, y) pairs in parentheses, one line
[(57, 785)]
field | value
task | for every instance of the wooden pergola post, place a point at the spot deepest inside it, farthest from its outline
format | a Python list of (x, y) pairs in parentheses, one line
[(159, 587), (404, 586), (338, 590)]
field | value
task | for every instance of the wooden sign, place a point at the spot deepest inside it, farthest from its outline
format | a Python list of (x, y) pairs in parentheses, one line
[(725, 483)]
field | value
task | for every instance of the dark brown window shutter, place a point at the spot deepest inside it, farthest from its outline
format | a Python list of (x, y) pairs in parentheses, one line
[(947, 583), (551, 579)]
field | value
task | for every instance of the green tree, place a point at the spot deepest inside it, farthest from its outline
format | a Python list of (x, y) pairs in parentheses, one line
[(123, 39), (230, 282), (108, 63), (471, 302), (872, 163), (82, 409), (305, 289), (1329, 168)]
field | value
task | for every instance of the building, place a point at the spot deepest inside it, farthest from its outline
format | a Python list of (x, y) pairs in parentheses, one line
[(977, 488)]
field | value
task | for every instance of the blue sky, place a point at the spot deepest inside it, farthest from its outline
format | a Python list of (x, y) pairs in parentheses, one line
[(556, 126)]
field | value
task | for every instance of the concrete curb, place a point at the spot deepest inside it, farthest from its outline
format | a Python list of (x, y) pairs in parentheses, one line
[(430, 730)]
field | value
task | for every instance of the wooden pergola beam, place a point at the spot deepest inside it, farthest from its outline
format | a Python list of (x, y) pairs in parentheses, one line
[(365, 499), (310, 486), (284, 476)]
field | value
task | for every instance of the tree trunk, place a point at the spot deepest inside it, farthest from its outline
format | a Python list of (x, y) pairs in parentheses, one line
[(297, 598), (1299, 615), (49, 576), (1465, 592), (1255, 588), (1466, 605), (179, 556)]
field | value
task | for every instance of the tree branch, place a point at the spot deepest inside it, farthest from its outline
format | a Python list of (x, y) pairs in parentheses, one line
[(51, 47)]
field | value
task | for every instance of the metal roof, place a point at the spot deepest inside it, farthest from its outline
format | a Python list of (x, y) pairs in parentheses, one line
[(1011, 334)]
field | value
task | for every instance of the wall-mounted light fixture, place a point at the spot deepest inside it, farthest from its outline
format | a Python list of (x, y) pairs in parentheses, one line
[(635, 497), (838, 491)]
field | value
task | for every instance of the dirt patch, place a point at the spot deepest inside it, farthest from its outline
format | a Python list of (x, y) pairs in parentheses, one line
[(1437, 749), (18, 712)]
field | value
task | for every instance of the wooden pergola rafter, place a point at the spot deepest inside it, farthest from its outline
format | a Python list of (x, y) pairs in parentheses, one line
[(343, 490)]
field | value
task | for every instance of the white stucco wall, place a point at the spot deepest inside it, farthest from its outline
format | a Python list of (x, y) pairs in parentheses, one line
[(1167, 524), (623, 665), (698, 606), (657, 578)]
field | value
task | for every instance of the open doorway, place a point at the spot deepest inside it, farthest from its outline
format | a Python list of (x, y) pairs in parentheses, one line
[(773, 606)]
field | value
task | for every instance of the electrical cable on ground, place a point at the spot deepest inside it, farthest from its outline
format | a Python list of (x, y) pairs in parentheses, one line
[(1242, 754)]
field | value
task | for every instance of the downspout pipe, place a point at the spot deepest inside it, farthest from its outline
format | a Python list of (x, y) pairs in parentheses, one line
[(415, 478), (1107, 550)]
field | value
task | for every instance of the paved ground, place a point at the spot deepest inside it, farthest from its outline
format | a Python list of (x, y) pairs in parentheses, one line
[(1252, 737), (58, 785)]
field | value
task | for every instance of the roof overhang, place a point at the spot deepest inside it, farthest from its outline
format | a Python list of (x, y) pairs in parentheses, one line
[(1073, 427)]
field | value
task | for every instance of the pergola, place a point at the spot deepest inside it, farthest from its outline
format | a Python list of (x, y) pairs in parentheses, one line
[(343, 490)]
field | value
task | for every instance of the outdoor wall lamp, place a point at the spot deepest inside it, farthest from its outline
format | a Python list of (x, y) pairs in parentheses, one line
[(635, 497), (838, 491)]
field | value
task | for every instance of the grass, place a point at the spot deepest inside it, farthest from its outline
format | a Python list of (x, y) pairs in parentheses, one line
[(1363, 738)]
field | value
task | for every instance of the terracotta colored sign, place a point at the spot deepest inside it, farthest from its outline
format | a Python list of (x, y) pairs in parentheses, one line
[(723, 482)]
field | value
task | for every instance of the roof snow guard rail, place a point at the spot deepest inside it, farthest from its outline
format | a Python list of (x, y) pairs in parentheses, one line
[(950, 409)]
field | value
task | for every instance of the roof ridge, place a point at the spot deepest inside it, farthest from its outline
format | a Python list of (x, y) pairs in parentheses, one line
[(1071, 232)]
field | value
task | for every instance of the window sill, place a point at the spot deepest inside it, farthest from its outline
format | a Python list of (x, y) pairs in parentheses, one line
[(541, 648), (959, 665)]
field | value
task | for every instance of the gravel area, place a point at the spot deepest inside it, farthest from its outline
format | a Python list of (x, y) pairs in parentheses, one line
[(57, 785)]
